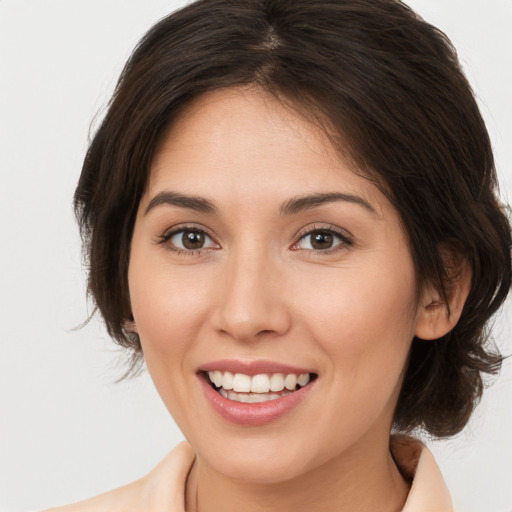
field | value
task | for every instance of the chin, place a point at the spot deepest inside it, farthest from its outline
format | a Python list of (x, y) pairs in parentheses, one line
[(268, 470), (257, 460)]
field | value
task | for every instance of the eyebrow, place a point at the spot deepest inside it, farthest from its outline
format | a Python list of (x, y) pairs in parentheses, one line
[(290, 207), (307, 202), (199, 204)]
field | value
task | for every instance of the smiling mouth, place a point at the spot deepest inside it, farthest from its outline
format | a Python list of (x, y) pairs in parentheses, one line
[(259, 388)]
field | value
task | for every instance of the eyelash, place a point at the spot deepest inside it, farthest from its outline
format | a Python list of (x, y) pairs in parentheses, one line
[(166, 237), (345, 240)]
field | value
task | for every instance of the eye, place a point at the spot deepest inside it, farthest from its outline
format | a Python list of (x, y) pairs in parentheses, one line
[(322, 240), (188, 240)]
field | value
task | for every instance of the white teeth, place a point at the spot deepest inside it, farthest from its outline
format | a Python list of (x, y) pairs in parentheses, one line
[(251, 398), (227, 380), (290, 382), (224, 380), (254, 398), (303, 379), (261, 383), (241, 383), (277, 382), (217, 378), (243, 397)]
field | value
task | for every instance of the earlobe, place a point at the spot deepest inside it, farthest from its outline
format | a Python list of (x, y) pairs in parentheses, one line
[(436, 317)]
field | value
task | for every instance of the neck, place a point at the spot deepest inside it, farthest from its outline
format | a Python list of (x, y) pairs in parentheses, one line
[(363, 480)]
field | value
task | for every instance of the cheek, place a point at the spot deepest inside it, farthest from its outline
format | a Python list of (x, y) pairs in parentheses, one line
[(168, 307), (363, 318)]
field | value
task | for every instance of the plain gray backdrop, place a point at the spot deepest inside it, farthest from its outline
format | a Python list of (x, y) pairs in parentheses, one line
[(67, 431)]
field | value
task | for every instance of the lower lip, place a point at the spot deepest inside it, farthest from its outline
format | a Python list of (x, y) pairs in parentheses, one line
[(253, 414)]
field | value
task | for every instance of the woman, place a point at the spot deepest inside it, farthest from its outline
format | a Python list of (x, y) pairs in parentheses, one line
[(289, 213)]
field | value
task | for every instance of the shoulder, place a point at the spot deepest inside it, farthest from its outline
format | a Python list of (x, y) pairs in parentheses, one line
[(111, 501), (417, 464), (163, 486)]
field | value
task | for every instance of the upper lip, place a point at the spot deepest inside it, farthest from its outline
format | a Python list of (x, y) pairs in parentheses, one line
[(252, 367)]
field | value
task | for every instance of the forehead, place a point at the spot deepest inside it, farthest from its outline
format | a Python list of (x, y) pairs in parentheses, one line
[(228, 142)]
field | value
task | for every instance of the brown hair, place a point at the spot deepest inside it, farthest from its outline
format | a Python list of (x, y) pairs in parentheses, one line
[(398, 106)]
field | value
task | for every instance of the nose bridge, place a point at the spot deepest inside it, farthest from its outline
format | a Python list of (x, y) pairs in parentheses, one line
[(251, 300)]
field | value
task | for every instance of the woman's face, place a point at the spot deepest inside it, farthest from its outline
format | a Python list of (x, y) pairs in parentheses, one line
[(257, 251)]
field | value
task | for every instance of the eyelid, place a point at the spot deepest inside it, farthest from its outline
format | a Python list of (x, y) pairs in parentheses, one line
[(164, 238), (345, 237)]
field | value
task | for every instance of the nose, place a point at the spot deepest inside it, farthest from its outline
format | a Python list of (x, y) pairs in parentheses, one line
[(252, 298)]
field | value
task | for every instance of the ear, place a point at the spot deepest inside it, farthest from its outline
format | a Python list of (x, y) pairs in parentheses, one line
[(435, 317)]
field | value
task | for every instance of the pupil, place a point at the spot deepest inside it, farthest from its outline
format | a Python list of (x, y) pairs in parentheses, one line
[(322, 241), (193, 240)]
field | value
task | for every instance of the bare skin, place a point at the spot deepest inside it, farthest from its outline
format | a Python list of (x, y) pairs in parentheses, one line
[(258, 286), (328, 488)]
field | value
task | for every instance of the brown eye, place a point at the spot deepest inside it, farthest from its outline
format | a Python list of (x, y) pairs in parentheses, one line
[(189, 240), (192, 240), (321, 240)]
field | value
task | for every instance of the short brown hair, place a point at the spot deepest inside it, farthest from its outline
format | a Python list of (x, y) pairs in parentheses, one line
[(398, 106)]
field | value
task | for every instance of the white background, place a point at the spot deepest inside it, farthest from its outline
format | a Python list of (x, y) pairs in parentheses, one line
[(67, 431)]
